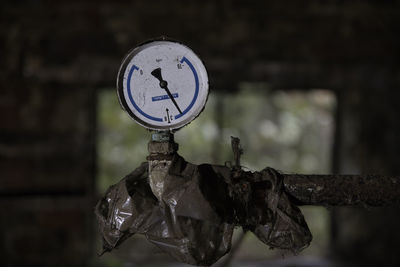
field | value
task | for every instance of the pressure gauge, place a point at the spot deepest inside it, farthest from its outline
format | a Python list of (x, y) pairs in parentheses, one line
[(163, 85)]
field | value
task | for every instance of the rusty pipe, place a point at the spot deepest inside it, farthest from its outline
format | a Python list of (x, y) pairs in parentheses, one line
[(343, 190)]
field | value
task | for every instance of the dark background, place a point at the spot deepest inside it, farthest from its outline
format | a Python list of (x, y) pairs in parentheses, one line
[(56, 55)]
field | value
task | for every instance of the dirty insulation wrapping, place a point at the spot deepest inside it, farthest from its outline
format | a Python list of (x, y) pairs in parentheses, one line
[(194, 212)]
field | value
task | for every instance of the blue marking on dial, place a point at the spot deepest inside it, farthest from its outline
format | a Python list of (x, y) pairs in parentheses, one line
[(131, 98), (163, 97), (196, 92)]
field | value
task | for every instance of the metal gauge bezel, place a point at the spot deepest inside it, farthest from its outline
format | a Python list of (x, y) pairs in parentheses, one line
[(198, 68)]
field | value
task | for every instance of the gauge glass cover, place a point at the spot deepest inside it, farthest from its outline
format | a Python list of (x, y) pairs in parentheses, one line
[(163, 85)]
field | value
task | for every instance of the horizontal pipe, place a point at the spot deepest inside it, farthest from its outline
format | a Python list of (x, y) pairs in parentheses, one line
[(343, 190)]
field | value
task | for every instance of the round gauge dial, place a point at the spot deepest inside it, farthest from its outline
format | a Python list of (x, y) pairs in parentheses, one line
[(163, 85)]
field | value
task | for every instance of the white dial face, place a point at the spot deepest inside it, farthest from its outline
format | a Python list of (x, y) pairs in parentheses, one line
[(163, 85)]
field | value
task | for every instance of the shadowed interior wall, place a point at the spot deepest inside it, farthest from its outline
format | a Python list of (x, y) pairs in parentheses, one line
[(370, 144), (56, 54)]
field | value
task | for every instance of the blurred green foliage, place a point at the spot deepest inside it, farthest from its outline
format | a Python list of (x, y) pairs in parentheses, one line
[(121, 143), (288, 130)]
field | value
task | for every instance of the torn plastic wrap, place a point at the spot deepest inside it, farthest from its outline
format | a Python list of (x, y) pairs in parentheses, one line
[(183, 222), (190, 212), (263, 207), (126, 208)]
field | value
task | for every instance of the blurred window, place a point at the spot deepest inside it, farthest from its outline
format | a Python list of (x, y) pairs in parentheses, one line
[(289, 130)]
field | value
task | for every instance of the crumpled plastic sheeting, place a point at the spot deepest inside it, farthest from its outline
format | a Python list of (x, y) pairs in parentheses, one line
[(268, 212), (184, 223), (126, 208), (199, 207)]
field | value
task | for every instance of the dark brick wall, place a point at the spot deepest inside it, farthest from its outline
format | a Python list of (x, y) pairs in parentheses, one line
[(54, 55), (46, 127), (284, 42), (47, 171), (370, 144), (45, 230)]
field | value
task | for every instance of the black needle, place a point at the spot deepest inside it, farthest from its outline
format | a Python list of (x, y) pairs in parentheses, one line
[(164, 85)]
